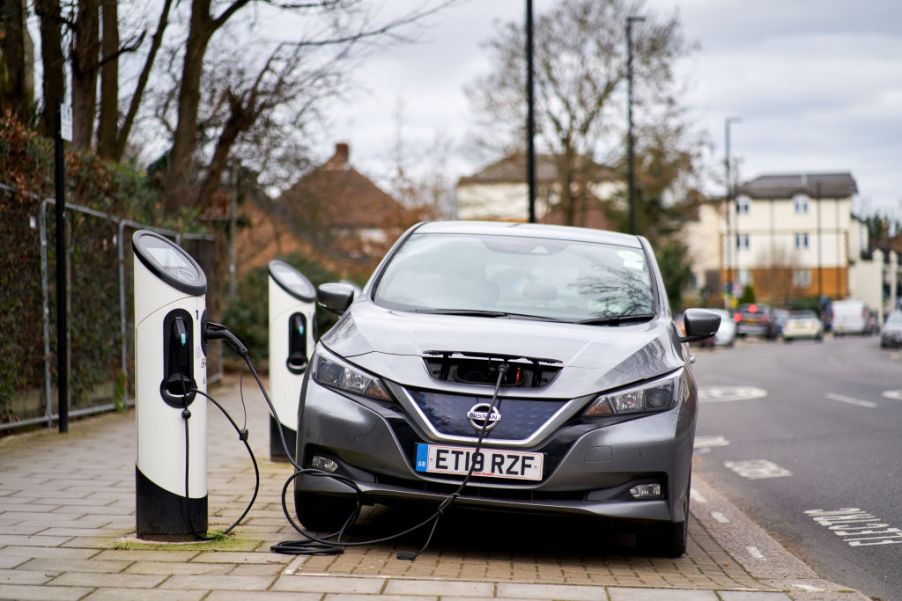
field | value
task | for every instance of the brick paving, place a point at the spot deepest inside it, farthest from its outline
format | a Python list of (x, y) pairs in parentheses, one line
[(67, 532)]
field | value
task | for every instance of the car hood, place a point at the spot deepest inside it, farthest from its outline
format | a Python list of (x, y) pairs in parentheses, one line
[(593, 358), (892, 328)]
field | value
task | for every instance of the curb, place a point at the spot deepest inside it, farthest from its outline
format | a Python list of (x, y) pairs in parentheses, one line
[(758, 553)]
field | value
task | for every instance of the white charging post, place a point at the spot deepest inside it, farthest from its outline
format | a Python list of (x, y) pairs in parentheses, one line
[(292, 304), (170, 364)]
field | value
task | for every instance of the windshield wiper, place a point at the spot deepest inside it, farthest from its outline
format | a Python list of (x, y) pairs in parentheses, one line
[(616, 320), (484, 313)]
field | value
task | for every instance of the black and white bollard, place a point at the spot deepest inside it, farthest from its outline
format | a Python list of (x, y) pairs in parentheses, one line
[(292, 304), (170, 364)]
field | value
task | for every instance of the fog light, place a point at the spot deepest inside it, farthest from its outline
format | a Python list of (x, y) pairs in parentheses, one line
[(324, 463), (645, 491)]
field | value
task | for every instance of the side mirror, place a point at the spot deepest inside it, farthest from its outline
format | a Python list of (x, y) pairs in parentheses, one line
[(699, 324), (335, 297)]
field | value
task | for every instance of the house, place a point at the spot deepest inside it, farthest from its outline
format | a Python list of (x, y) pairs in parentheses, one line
[(332, 212), (788, 236), (499, 191)]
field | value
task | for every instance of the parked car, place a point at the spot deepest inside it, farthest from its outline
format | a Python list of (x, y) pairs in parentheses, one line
[(803, 324), (571, 325), (891, 334), (757, 319), (850, 317), (726, 333)]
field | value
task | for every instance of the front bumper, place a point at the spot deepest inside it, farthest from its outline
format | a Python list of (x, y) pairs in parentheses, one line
[(589, 468)]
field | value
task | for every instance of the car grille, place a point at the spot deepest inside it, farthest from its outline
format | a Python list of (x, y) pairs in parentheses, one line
[(520, 418)]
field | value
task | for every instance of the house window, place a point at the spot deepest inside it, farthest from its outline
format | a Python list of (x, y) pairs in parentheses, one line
[(802, 241), (743, 203), (801, 278), (745, 277), (742, 241), (800, 203)]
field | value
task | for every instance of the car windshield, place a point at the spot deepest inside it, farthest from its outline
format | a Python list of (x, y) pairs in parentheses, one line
[(894, 318), (498, 276), (803, 315)]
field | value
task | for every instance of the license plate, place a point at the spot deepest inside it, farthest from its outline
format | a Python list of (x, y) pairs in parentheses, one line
[(489, 463)]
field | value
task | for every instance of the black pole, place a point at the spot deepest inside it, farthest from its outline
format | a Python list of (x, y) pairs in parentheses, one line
[(62, 331), (530, 117), (820, 262), (732, 245), (630, 141)]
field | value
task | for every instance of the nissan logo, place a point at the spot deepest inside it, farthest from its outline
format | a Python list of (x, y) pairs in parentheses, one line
[(479, 413)]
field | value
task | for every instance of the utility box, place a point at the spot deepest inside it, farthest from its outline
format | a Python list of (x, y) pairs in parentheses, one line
[(170, 366), (292, 306)]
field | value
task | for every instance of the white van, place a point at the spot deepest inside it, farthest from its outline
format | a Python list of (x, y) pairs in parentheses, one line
[(850, 317)]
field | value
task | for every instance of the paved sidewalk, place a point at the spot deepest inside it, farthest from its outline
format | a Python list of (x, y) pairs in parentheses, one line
[(67, 532)]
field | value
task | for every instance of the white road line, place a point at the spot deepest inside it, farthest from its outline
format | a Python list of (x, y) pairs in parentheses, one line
[(697, 496), (754, 552), (757, 469), (720, 517), (705, 442), (850, 400), (856, 527), (895, 395)]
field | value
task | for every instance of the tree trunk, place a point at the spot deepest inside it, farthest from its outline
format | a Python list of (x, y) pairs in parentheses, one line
[(135, 103), (200, 30), (108, 126), (14, 92), (54, 83), (239, 120), (85, 62)]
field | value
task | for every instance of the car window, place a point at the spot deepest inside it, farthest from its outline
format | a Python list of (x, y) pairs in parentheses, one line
[(894, 318), (803, 315), (560, 279)]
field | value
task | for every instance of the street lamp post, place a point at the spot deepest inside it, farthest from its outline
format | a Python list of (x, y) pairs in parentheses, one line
[(630, 140), (728, 291), (530, 117)]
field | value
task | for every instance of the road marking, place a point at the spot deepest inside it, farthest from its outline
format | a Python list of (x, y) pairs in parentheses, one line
[(850, 400), (721, 518), (697, 496), (707, 442), (721, 394), (856, 527), (808, 588), (757, 469), (896, 395), (754, 552)]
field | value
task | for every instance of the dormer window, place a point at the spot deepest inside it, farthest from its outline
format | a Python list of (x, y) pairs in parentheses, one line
[(800, 203)]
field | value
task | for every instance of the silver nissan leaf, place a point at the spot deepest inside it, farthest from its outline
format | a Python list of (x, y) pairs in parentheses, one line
[(567, 329)]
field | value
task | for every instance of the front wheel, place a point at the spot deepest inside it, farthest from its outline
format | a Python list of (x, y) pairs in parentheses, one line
[(667, 540), (319, 513)]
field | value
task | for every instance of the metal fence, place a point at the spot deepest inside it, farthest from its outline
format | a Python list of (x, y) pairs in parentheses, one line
[(101, 314)]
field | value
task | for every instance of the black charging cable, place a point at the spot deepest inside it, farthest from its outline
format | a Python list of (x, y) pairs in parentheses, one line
[(331, 544), (243, 437)]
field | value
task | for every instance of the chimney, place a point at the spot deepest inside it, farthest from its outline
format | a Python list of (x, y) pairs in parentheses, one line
[(339, 160)]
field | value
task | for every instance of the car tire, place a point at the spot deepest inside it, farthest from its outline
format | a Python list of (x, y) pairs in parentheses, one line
[(319, 513), (669, 539)]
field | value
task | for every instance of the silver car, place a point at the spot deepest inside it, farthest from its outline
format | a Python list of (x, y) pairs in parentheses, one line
[(570, 328), (891, 334)]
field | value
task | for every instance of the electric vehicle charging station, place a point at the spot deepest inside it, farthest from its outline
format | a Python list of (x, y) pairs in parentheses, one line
[(292, 305), (170, 364)]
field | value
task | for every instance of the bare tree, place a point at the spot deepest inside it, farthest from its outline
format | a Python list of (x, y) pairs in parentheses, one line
[(85, 67), (14, 94), (265, 91), (52, 58), (580, 66)]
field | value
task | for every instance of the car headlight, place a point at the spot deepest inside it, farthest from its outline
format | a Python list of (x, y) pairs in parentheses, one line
[(332, 372), (656, 396)]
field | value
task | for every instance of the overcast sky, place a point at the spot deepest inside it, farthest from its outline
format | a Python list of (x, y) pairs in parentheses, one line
[(817, 83)]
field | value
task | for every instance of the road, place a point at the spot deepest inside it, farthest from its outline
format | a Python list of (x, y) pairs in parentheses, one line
[(811, 449)]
